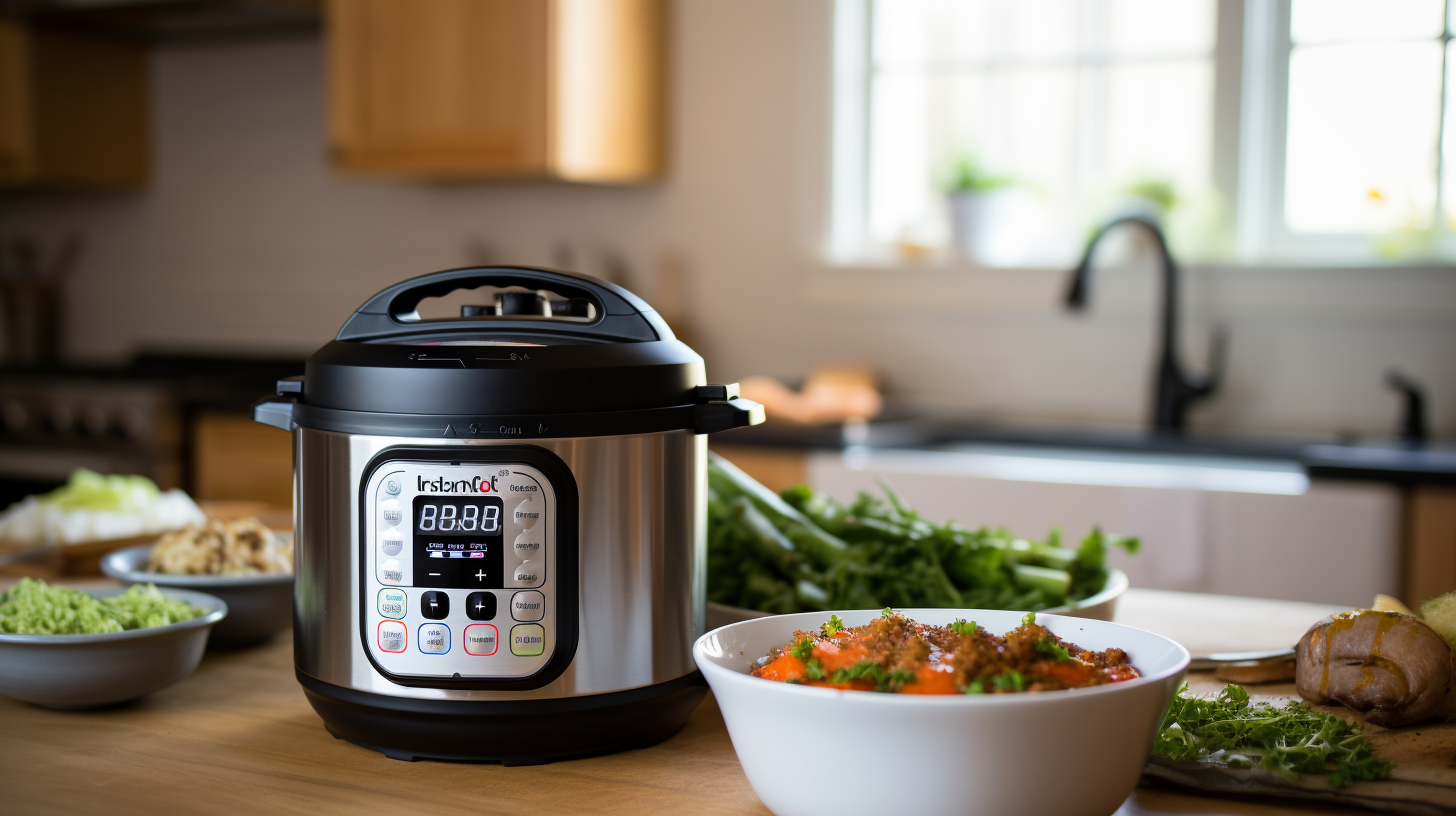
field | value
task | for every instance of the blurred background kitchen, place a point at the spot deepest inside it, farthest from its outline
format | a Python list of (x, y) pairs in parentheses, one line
[(868, 212)]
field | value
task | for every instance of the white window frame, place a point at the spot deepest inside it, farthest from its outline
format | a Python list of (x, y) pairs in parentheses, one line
[(1251, 89)]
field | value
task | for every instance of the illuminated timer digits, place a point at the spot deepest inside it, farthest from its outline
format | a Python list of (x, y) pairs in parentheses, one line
[(448, 518)]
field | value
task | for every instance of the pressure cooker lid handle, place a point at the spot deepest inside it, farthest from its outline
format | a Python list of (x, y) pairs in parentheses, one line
[(620, 315)]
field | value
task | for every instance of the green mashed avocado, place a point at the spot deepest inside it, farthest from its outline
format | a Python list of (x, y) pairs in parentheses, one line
[(33, 608)]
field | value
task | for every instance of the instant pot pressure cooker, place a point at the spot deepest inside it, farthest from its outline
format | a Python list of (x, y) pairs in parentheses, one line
[(499, 520)]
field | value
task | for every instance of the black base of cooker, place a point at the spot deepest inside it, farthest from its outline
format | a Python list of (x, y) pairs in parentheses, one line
[(518, 732)]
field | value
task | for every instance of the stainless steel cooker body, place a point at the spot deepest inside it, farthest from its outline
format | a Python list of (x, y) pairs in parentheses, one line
[(500, 519), (641, 560)]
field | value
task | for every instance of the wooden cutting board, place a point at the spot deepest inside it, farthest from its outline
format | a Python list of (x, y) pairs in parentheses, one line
[(1423, 782)]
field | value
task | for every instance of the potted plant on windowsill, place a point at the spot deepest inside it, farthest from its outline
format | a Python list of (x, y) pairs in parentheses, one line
[(979, 208)]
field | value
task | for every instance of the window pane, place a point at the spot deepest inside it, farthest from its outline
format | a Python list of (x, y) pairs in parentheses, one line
[(1322, 21), (918, 33), (1159, 125), (900, 161), (1142, 27), (1361, 154), (1077, 100), (1448, 178)]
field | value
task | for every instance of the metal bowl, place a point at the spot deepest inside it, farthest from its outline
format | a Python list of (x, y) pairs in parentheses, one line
[(259, 606), (1101, 606), (90, 671)]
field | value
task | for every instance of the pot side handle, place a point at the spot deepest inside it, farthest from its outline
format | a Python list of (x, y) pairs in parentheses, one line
[(275, 411), (720, 408)]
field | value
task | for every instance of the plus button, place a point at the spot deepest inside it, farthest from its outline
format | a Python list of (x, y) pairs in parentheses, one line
[(480, 575)]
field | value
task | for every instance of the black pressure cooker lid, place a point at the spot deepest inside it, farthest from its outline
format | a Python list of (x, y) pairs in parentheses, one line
[(558, 354)]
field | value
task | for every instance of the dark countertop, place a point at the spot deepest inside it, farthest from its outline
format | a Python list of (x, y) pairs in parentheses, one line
[(1325, 457)]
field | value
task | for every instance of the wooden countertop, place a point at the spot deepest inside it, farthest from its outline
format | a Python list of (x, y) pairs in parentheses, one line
[(238, 736)]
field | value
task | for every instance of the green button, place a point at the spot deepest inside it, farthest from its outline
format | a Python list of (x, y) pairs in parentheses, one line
[(393, 603), (527, 640)]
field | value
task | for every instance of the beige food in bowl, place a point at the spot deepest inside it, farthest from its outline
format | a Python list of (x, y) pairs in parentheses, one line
[(240, 547)]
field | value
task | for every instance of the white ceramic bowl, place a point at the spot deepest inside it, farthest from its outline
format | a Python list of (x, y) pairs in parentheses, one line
[(1101, 606), (259, 606), (810, 751), (90, 671)]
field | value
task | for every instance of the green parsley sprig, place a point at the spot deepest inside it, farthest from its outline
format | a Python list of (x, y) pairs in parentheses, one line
[(961, 626), (1049, 647), (1295, 739), (832, 627), (888, 681)]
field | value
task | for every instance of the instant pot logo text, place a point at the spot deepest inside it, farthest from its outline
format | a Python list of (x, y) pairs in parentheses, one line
[(440, 484)]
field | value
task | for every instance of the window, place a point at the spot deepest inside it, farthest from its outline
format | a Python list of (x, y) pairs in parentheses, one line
[(1304, 131)]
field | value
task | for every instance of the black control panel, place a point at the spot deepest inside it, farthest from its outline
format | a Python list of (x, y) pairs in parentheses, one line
[(459, 542)]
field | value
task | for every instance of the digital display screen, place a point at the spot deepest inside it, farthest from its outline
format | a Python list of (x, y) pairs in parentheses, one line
[(458, 542)]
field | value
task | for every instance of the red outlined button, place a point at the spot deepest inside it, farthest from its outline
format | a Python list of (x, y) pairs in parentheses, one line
[(392, 636), (481, 639)]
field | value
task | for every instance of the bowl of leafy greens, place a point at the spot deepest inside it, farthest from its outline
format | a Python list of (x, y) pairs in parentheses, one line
[(69, 648), (802, 551)]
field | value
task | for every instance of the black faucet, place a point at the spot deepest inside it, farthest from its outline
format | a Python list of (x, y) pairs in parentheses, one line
[(1173, 390)]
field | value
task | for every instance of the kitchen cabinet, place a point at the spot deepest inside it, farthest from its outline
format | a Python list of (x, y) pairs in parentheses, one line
[(235, 458), (73, 109), (452, 89), (1430, 545)]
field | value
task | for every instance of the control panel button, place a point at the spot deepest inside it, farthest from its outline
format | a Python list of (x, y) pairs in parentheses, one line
[(389, 511), (434, 638), (391, 541), (480, 606), (393, 603), (435, 605), (527, 513), (391, 486), (528, 606), (527, 639), (528, 544), (390, 572), (528, 573), (481, 639), (392, 636)]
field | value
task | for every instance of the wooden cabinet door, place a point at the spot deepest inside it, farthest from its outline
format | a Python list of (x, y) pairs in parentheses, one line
[(73, 109), (444, 88), (563, 89), (15, 118)]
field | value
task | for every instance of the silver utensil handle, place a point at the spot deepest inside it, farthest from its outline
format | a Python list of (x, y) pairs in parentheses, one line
[(1209, 662)]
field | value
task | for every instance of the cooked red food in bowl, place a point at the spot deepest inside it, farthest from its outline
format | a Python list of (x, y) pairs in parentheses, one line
[(895, 654), (941, 754)]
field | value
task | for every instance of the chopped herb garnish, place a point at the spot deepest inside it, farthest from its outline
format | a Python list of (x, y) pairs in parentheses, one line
[(1010, 680), (803, 649), (1294, 739), (1049, 647), (869, 670), (813, 669), (961, 626), (832, 627), (975, 687), (887, 612), (1029, 617)]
